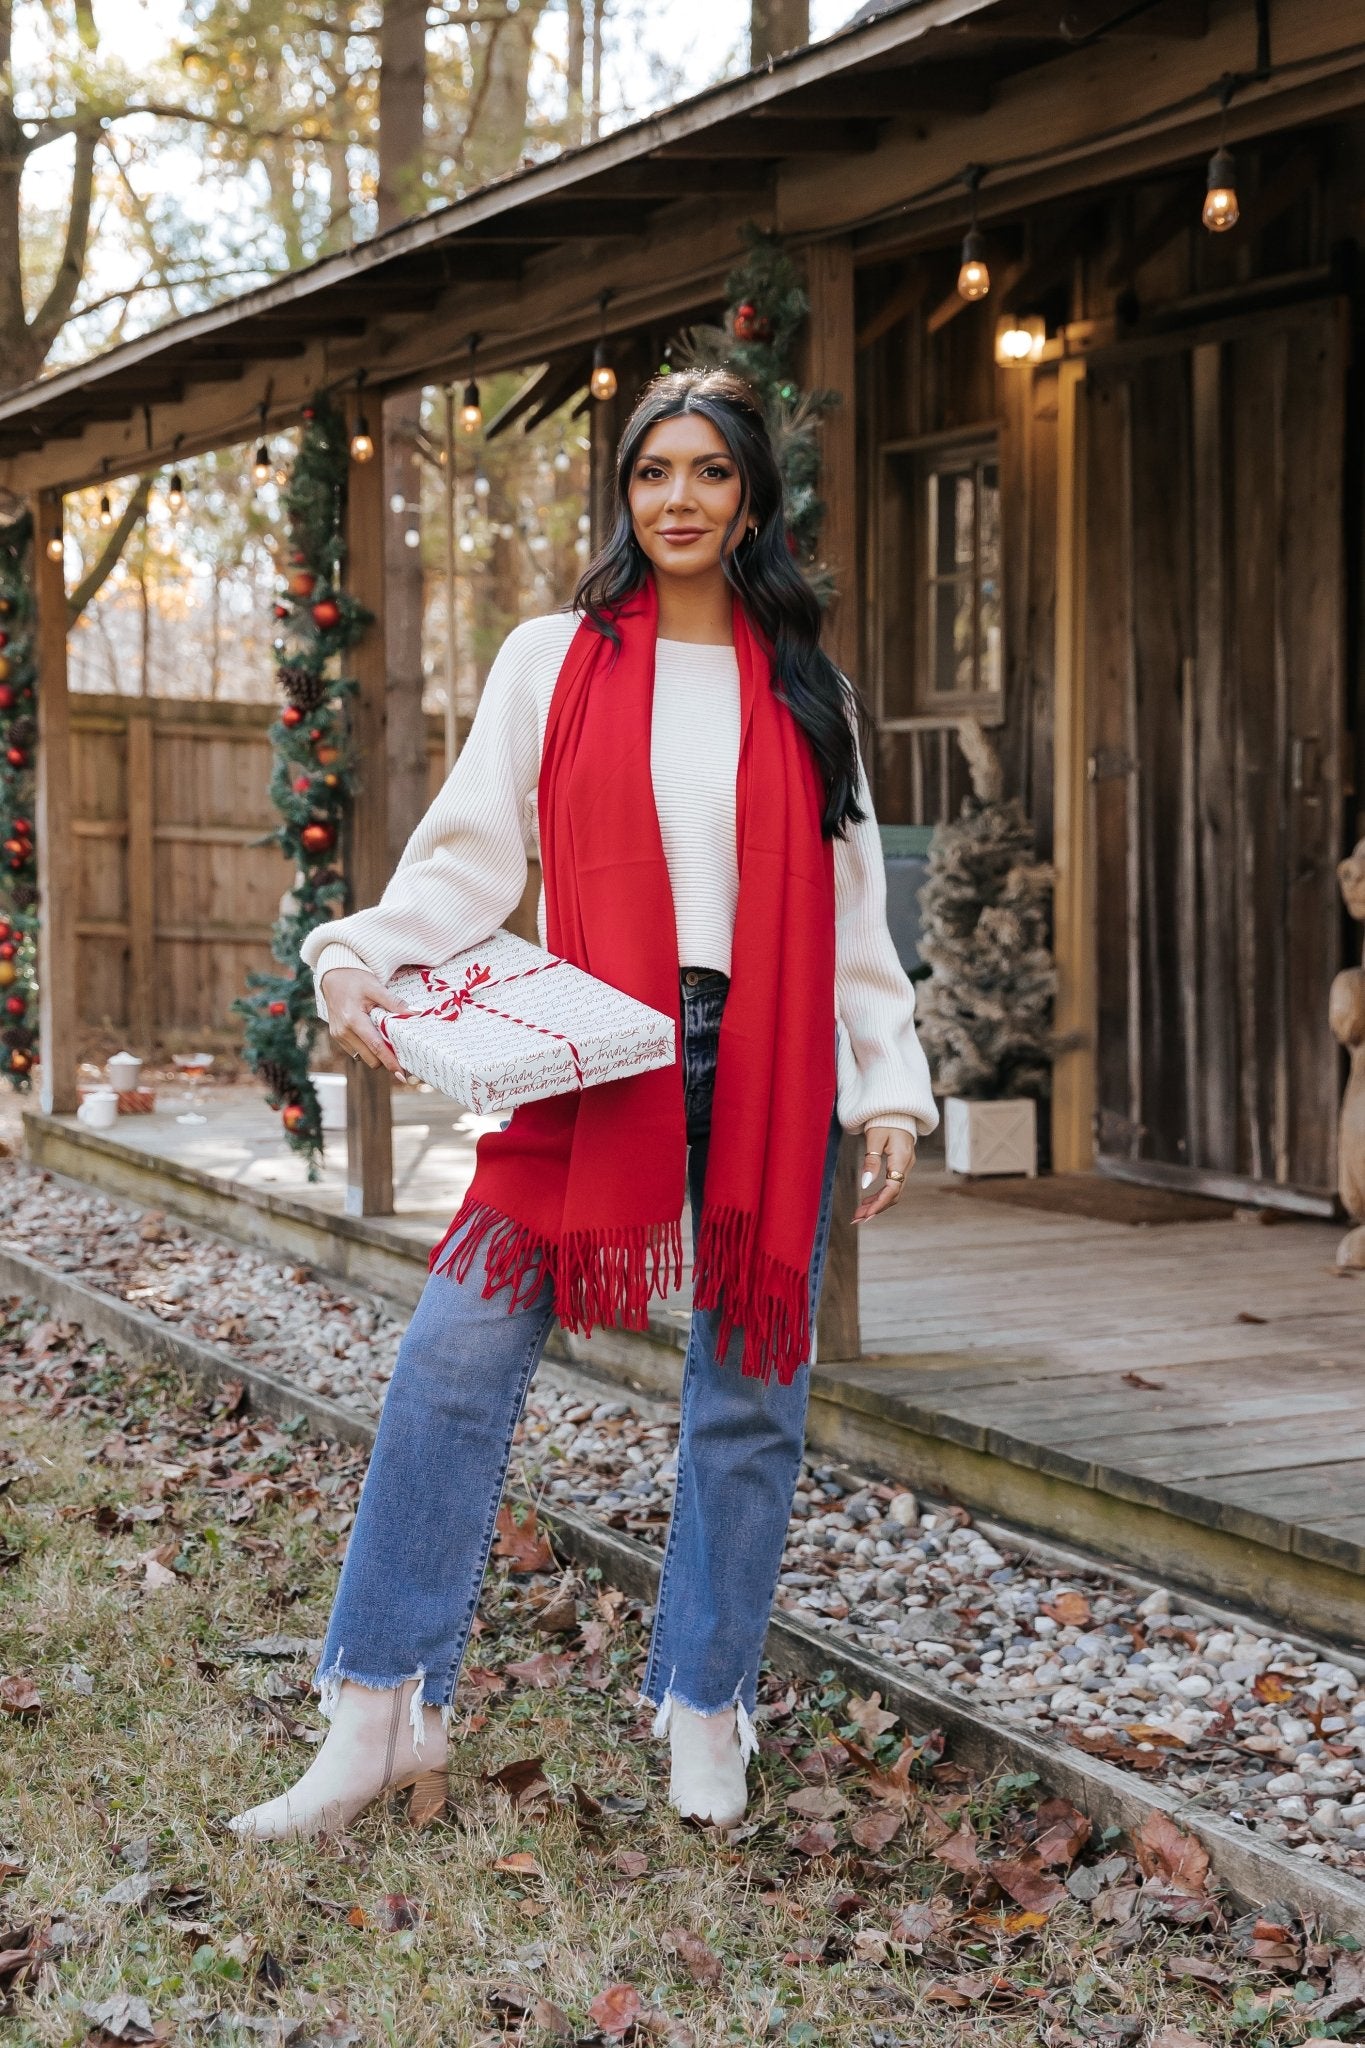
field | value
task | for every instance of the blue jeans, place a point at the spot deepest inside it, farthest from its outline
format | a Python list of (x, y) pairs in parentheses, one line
[(424, 1528)]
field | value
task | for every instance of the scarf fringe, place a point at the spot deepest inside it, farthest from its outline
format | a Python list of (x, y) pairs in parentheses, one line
[(600, 1277), (753, 1292)]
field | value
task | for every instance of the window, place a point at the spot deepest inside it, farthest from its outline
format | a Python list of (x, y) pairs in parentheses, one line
[(942, 651)]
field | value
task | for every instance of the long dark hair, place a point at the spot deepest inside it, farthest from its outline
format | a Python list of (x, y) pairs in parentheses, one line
[(761, 569)]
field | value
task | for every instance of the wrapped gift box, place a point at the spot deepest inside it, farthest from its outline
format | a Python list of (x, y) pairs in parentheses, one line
[(507, 1022)]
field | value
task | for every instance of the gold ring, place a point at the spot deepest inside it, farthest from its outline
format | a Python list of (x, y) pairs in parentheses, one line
[(894, 1176)]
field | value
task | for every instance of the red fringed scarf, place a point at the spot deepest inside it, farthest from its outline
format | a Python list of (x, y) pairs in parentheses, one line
[(589, 1187)]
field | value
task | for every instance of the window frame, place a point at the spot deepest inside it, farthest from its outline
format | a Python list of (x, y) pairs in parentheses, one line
[(905, 613)]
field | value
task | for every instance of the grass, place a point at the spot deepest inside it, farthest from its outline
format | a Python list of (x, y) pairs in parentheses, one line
[(148, 1533)]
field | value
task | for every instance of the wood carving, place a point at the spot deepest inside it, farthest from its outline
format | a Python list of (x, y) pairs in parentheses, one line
[(1346, 1014)]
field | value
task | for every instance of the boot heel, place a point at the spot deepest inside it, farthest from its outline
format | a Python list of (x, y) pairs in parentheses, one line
[(429, 1797)]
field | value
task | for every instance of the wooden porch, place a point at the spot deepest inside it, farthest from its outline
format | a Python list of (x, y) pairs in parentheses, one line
[(1187, 1396)]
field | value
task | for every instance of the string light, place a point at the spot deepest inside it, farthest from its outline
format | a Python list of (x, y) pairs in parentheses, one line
[(974, 277), (1019, 338), (106, 509), (175, 496), (56, 546), (602, 382), (362, 441), (1221, 211), (471, 412)]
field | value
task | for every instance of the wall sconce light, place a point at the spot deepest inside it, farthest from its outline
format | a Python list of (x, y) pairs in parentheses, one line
[(1019, 338)]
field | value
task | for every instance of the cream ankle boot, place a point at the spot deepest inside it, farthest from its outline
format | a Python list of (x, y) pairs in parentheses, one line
[(709, 1754), (377, 1742)]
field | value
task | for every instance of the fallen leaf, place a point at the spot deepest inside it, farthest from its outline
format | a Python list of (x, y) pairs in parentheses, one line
[(1027, 1883), (960, 1850), (701, 1963), (356, 1917), (874, 1830), (544, 1668), (524, 1779), (1177, 2037), (557, 1615), (870, 1716), (131, 1891), (816, 1840), (1135, 1379), (1063, 1831), (631, 1862), (279, 1646), (523, 1546), (122, 2017), (20, 1696), (1273, 1688), (1201, 1969), (398, 1911), (817, 1802), (924, 1920), (1165, 1851), (1346, 1992), (155, 1574), (1068, 1609), (22, 1950), (1103, 1742), (522, 1862), (959, 1991), (616, 2010), (551, 2019)]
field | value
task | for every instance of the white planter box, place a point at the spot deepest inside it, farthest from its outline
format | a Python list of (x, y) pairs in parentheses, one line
[(991, 1137)]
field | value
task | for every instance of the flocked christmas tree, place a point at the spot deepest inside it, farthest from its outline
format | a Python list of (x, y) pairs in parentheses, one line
[(985, 1012), (767, 306), (318, 622)]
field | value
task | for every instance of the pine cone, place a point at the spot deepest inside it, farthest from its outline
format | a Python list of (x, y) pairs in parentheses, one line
[(23, 895), (277, 1077), (23, 732), (304, 687)]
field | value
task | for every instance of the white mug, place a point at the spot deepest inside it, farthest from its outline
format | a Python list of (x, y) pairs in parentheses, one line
[(99, 1109), (123, 1071)]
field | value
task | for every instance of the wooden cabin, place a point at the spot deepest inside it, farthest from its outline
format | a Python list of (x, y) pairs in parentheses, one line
[(1127, 540)]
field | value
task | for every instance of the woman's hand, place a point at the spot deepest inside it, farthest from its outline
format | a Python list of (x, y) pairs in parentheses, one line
[(350, 993), (890, 1153)]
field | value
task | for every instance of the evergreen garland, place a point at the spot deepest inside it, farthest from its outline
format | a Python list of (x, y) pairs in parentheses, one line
[(18, 856), (767, 307), (984, 1014), (312, 777)]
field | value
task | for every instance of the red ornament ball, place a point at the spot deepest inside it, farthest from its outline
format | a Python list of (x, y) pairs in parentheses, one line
[(281, 611), (8, 949), (301, 583), (279, 1009), (4, 639), (317, 838), (14, 1006), (326, 613), (291, 715), (750, 324), (309, 412), (16, 757), (295, 1116), (302, 784), (24, 825), (6, 697), (315, 732), (6, 928)]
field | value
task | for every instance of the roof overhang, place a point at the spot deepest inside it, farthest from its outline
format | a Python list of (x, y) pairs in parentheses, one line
[(865, 134)]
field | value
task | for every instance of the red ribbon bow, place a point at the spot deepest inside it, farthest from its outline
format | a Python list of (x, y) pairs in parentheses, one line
[(453, 1000)]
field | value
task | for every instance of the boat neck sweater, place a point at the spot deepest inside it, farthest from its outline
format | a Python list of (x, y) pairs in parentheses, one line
[(464, 869)]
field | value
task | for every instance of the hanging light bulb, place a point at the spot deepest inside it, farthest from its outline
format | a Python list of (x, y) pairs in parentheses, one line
[(563, 461), (362, 441), (106, 511), (175, 496), (1221, 210), (602, 383), (1019, 338), (260, 468), (973, 277), (482, 485), (471, 412), (412, 538), (56, 547)]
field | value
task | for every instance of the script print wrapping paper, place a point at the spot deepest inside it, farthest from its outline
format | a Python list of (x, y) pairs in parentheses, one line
[(506, 1022)]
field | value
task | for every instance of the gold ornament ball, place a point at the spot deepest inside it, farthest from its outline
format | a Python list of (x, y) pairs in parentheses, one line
[(4, 667), (7, 973)]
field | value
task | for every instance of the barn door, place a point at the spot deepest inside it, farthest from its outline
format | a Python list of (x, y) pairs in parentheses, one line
[(1215, 684)]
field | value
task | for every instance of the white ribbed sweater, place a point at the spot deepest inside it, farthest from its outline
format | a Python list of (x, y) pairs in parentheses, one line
[(464, 869)]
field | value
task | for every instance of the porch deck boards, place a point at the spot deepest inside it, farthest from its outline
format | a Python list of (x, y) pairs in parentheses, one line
[(1106, 1355)]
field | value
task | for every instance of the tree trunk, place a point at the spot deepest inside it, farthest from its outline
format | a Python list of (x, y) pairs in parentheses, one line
[(402, 105), (776, 26), (573, 126)]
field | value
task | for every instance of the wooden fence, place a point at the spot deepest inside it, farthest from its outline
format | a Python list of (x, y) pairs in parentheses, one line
[(174, 898)]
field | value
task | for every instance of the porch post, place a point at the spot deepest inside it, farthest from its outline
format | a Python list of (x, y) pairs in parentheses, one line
[(831, 361), (1073, 1078), (369, 1105), (57, 1092)]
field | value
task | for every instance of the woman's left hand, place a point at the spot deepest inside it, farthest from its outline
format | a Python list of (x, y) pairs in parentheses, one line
[(886, 1153)]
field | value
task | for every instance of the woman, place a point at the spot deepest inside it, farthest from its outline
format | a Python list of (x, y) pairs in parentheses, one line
[(686, 756)]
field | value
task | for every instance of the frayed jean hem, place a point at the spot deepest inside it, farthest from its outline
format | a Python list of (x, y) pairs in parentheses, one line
[(330, 1682), (744, 1727)]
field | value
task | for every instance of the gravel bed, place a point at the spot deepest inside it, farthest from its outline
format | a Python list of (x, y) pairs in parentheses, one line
[(1255, 1727)]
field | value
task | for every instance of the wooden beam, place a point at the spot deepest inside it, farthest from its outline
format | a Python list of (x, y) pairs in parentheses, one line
[(777, 135), (888, 95), (907, 298), (369, 1106), (953, 302), (56, 846), (141, 858), (831, 364), (1073, 1076)]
